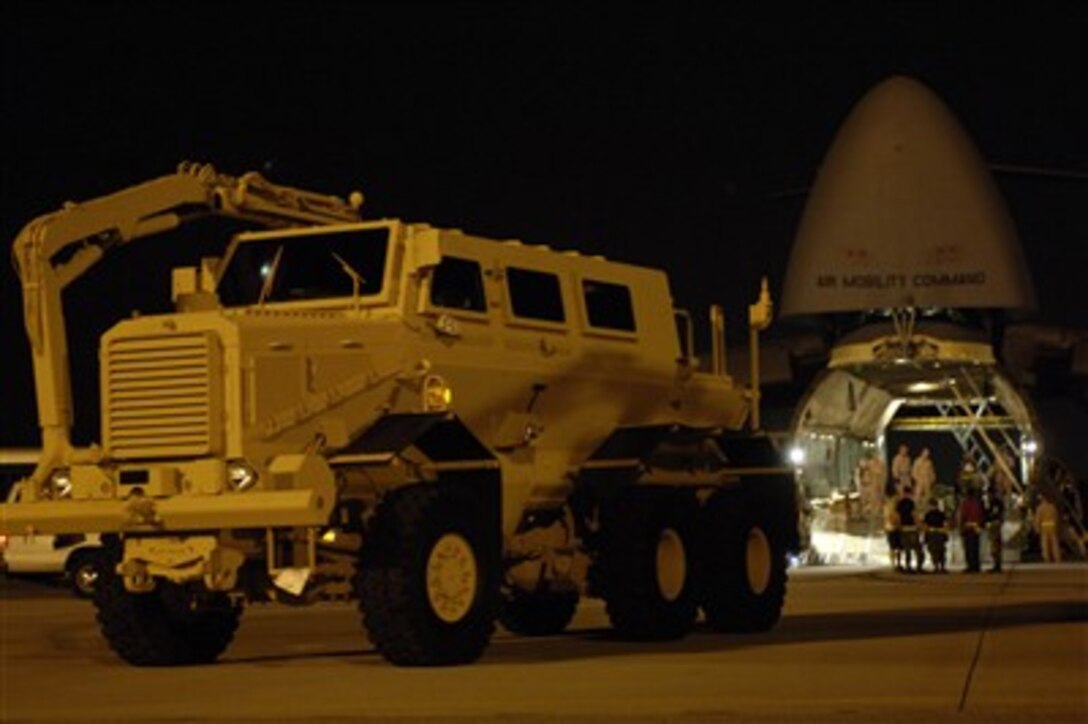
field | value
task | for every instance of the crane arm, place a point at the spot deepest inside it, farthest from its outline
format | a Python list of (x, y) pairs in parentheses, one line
[(57, 248), (93, 227)]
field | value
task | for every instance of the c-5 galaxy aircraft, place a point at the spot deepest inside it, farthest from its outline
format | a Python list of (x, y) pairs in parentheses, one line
[(907, 252)]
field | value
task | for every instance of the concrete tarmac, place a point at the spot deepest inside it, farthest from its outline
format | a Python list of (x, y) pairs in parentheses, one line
[(853, 645)]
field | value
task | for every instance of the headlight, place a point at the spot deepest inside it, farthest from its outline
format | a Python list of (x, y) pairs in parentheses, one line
[(437, 395), (797, 456), (241, 475), (60, 484)]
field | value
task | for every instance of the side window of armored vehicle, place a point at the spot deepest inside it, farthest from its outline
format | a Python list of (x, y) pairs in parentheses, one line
[(608, 306), (297, 267), (535, 295), (458, 284)]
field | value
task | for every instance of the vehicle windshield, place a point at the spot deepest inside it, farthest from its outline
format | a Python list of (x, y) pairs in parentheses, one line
[(308, 266)]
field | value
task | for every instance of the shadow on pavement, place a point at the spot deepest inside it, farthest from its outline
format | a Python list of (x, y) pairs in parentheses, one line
[(802, 628), (604, 642)]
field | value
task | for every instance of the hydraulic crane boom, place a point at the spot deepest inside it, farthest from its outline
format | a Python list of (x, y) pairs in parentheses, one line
[(57, 248)]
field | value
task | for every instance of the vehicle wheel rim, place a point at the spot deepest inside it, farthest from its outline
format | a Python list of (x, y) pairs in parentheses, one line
[(672, 565), (85, 577), (452, 577), (758, 561)]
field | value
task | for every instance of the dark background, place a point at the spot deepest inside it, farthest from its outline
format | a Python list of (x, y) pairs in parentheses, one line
[(681, 136)]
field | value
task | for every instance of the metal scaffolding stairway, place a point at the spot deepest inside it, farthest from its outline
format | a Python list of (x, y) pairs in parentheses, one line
[(976, 438), (989, 458)]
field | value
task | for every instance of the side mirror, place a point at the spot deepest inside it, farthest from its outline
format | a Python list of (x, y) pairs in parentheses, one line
[(183, 282), (188, 290)]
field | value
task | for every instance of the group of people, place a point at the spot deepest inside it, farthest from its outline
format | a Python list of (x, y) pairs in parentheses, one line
[(905, 535), (908, 528), (915, 516), (907, 523)]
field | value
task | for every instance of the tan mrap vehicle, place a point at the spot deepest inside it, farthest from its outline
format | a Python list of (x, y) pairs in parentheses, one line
[(452, 429)]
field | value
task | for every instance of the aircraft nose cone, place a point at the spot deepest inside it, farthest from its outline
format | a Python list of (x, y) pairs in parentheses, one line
[(904, 213)]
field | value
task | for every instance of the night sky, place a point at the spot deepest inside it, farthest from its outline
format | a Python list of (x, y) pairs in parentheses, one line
[(681, 135)]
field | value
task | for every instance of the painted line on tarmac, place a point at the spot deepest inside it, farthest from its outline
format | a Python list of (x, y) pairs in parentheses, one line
[(987, 619)]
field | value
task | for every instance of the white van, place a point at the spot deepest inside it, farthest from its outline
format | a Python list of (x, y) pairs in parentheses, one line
[(71, 556)]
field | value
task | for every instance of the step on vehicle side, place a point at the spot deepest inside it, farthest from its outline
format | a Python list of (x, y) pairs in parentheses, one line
[(454, 430)]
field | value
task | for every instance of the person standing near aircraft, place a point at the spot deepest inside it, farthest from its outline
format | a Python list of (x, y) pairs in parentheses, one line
[(924, 475), (891, 529), (901, 466), (1047, 519), (869, 485), (971, 519), (994, 510), (936, 527), (908, 526), (878, 470)]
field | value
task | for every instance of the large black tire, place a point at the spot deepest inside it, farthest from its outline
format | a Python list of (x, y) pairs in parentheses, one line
[(162, 627), (742, 562), (645, 567), (541, 613), (428, 582), (81, 570)]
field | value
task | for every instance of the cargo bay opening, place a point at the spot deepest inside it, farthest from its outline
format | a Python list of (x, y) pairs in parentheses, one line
[(925, 383), (907, 249)]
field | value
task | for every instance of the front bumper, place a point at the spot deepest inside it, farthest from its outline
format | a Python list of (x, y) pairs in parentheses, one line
[(251, 509)]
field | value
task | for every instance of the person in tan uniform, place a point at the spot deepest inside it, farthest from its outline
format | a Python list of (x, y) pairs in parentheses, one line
[(924, 476), (1047, 520), (891, 530), (901, 468), (1004, 475), (870, 485)]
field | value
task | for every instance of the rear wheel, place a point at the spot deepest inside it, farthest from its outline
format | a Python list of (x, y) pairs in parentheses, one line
[(645, 569), (743, 555), (539, 613), (427, 584), (169, 626)]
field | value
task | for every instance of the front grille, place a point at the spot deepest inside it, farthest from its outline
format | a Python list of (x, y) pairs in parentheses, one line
[(160, 395)]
